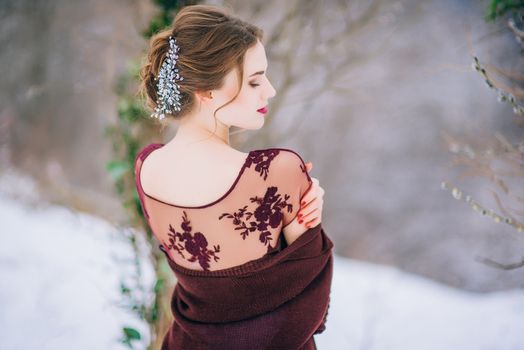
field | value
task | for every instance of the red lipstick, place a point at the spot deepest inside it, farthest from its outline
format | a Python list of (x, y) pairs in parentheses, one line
[(262, 110)]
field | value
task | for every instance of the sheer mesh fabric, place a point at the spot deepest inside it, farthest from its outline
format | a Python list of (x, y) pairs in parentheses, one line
[(242, 225)]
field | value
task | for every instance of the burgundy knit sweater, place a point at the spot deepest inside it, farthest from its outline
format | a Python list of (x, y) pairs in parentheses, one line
[(235, 288)]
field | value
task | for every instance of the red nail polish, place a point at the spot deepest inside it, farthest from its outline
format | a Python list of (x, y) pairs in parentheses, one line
[(300, 221)]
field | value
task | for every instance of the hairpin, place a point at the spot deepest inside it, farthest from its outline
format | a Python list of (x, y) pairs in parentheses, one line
[(168, 91)]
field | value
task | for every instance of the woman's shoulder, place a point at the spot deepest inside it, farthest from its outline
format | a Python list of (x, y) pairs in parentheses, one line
[(284, 157), (279, 161)]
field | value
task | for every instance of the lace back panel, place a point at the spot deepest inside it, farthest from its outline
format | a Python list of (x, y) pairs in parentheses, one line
[(242, 225)]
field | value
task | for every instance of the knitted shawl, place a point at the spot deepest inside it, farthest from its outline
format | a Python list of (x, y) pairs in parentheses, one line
[(278, 301)]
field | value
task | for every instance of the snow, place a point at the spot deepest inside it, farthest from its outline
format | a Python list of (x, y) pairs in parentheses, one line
[(381, 307), (60, 289), (60, 276)]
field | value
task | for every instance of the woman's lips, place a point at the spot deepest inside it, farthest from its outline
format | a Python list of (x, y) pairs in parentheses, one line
[(262, 110)]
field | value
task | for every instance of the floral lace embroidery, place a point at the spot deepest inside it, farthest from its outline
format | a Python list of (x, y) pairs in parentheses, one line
[(257, 157), (196, 244), (268, 213)]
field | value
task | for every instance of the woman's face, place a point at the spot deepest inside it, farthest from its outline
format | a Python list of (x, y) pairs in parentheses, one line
[(254, 95)]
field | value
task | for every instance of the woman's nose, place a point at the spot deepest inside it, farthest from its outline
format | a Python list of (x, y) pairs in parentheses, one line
[(272, 91)]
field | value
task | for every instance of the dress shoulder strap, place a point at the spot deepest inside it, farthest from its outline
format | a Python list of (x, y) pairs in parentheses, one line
[(144, 152), (139, 159)]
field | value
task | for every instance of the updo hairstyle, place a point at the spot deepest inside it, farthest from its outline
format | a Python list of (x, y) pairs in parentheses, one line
[(212, 42)]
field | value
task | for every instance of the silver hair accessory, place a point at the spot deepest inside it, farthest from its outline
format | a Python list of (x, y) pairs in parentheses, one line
[(167, 88)]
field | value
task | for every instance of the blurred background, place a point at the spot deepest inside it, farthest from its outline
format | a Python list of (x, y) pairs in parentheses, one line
[(409, 111)]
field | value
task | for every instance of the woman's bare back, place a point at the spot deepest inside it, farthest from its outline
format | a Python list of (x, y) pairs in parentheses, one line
[(191, 177)]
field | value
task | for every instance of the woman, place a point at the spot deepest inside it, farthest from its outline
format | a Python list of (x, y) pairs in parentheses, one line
[(254, 267)]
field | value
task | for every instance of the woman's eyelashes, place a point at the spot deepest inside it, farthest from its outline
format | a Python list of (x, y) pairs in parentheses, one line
[(254, 85)]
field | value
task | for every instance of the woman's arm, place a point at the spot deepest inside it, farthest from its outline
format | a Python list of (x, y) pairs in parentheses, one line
[(309, 215)]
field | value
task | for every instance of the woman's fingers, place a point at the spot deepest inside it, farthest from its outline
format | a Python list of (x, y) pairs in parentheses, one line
[(311, 194), (304, 210), (309, 216), (311, 203), (316, 202), (306, 200), (313, 222)]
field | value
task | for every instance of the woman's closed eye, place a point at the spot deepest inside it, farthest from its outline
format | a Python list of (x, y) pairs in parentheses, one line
[(254, 85)]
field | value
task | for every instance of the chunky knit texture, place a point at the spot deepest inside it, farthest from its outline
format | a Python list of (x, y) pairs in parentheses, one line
[(235, 288)]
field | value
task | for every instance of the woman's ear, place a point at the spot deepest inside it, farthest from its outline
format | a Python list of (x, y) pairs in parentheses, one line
[(204, 96)]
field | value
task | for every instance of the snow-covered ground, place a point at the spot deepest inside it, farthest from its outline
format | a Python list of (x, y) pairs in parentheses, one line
[(383, 308), (60, 290)]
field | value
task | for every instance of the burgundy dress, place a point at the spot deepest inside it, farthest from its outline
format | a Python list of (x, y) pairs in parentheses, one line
[(239, 284)]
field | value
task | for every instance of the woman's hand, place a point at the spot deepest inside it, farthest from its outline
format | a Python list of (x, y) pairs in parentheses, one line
[(310, 213)]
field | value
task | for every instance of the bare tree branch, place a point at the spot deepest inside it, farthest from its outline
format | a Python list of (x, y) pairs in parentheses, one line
[(498, 265)]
